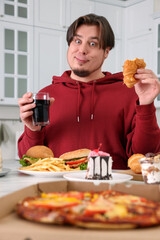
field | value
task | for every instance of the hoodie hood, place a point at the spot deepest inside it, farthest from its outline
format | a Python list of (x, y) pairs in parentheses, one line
[(108, 78), (65, 79)]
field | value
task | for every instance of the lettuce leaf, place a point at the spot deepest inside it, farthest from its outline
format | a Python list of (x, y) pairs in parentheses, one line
[(83, 166), (27, 161)]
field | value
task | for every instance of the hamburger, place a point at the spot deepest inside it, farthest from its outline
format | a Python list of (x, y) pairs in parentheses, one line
[(35, 153), (77, 158)]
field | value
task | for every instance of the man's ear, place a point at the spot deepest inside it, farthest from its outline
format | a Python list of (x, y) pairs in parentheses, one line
[(106, 52)]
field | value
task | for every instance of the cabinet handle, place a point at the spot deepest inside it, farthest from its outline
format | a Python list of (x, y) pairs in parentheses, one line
[(1, 15), (1, 99), (150, 29)]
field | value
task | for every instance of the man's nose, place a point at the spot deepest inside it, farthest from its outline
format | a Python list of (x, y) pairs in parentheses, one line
[(83, 48)]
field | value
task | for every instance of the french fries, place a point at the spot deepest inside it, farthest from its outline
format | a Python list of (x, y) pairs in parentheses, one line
[(49, 165)]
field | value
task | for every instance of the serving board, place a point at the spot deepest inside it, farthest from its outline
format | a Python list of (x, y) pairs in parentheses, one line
[(136, 177)]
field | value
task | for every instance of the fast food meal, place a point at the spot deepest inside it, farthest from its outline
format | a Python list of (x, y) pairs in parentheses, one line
[(77, 158), (134, 164), (129, 69), (150, 166), (41, 158), (99, 165), (49, 165), (103, 210), (35, 153)]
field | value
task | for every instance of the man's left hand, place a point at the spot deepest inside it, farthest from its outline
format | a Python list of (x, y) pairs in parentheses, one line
[(148, 86)]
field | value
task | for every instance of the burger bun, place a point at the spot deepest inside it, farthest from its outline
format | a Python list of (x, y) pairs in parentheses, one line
[(39, 151), (80, 153)]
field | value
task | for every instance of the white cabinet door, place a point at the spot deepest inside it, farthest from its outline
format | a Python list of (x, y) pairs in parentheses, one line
[(141, 47), (113, 14), (77, 8), (139, 19), (17, 11), (50, 56), (50, 13), (16, 57)]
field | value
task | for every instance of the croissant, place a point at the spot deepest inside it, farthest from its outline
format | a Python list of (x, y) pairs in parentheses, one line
[(129, 69), (134, 164)]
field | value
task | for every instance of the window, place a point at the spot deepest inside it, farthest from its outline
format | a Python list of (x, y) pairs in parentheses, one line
[(15, 62), (16, 8)]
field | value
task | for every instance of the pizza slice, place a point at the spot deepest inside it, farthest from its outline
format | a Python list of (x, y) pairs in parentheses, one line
[(106, 209)]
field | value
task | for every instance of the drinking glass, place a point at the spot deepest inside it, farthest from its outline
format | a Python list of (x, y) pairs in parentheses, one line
[(41, 111)]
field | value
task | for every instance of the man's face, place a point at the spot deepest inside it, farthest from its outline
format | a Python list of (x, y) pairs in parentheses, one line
[(84, 55)]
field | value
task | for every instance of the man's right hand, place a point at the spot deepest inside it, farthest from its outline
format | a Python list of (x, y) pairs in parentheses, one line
[(26, 105)]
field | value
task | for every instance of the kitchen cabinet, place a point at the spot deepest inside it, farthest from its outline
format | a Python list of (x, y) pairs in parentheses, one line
[(16, 57), (138, 19), (49, 56), (59, 14), (17, 11), (50, 14), (16, 49), (139, 32)]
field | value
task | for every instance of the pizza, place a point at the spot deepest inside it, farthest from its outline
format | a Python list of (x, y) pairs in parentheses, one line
[(104, 210)]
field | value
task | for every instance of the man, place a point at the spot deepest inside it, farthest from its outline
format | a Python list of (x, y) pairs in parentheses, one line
[(93, 107)]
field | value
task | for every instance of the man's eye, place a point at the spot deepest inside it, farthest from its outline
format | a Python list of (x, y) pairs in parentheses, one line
[(77, 41), (92, 44)]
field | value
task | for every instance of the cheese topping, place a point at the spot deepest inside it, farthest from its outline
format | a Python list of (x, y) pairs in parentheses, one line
[(59, 201), (119, 211)]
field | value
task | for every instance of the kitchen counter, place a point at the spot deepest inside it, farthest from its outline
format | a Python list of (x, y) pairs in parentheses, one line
[(16, 228), (14, 180)]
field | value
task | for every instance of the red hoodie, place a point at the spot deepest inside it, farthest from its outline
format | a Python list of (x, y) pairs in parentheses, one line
[(101, 111)]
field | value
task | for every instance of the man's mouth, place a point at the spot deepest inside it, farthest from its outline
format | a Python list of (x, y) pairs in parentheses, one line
[(81, 60)]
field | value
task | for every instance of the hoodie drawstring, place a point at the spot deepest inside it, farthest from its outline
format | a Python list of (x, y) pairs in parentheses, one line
[(78, 101), (92, 101)]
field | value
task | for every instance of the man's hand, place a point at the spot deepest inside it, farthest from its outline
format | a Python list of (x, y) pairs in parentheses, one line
[(148, 86), (26, 105)]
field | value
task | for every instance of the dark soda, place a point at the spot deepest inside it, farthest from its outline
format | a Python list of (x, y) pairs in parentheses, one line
[(41, 112)]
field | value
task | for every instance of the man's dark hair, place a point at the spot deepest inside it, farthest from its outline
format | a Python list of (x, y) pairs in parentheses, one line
[(107, 38)]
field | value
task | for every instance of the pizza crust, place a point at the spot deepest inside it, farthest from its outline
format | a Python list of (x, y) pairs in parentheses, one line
[(105, 225)]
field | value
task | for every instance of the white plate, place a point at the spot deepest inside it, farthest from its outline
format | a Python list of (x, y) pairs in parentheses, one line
[(47, 174), (116, 178), (4, 171)]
